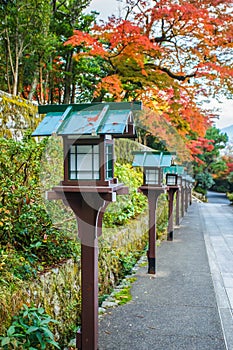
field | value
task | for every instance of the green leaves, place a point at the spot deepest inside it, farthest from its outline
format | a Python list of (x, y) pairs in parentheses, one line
[(20, 166), (30, 330), (27, 236), (127, 206), (211, 162)]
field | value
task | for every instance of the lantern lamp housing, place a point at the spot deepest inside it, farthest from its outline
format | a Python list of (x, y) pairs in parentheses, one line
[(171, 179), (179, 180), (88, 132), (173, 175), (153, 176), (152, 163), (89, 160)]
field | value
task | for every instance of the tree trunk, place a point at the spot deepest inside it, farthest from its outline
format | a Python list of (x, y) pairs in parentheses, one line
[(73, 93), (41, 85), (68, 78), (33, 87), (15, 75)]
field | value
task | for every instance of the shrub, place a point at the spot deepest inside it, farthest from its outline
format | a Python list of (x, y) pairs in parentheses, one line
[(201, 190), (26, 229), (128, 206), (30, 330), (204, 180), (230, 197)]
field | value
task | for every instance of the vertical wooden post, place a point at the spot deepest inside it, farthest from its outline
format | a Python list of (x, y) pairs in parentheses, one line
[(178, 195), (171, 193), (87, 208), (186, 198), (152, 195), (182, 201)]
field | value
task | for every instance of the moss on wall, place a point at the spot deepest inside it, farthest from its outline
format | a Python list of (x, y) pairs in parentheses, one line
[(13, 295), (58, 290), (118, 248), (16, 116), (123, 150)]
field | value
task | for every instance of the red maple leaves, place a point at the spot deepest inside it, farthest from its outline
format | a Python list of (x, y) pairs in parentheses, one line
[(165, 55)]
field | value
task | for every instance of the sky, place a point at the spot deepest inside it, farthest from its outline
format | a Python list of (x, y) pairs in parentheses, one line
[(105, 7), (225, 113), (108, 7)]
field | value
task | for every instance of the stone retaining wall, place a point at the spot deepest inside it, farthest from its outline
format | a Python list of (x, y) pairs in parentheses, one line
[(58, 290)]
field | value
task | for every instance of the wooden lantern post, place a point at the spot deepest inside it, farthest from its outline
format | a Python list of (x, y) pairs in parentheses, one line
[(178, 200), (152, 163), (172, 178), (186, 201), (88, 132), (183, 186), (171, 181)]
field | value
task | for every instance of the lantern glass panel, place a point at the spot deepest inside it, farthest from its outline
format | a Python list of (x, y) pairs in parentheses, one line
[(171, 179), (152, 176), (109, 161), (84, 162)]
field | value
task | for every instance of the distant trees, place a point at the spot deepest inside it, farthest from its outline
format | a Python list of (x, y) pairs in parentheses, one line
[(24, 40), (33, 60), (169, 54), (210, 164)]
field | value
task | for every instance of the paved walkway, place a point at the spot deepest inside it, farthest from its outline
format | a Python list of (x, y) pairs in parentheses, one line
[(187, 306), (217, 219)]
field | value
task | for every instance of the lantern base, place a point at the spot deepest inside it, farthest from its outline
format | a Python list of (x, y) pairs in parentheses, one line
[(79, 340), (152, 266), (170, 236)]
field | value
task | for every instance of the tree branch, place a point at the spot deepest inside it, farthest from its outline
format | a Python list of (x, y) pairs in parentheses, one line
[(171, 74)]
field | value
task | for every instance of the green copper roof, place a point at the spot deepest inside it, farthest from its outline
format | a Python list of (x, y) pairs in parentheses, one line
[(86, 119), (152, 158), (174, 169)]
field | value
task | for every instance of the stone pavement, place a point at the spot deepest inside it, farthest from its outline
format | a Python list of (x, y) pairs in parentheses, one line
[(179, 308), (217, 220)]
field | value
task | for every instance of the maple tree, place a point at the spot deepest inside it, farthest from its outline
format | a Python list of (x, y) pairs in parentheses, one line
[(228, 161), (165, 53)]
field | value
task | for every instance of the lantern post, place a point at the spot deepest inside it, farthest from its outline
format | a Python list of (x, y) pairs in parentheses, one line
[(190, 182), (152, 163), (191, 187), (186, 193), (183, 196), (178, 200), (172, 181), (88, 132)]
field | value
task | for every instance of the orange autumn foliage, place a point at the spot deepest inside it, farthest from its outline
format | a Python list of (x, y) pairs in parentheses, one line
[(112, 85), (165, 55)]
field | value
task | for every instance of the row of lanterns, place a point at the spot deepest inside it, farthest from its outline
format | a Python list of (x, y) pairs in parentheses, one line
[(88, 132), (155, 164), (160, 174)]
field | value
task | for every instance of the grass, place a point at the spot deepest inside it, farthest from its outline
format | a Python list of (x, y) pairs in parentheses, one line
[(124, 295)]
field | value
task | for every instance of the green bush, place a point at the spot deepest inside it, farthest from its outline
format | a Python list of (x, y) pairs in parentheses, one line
[(26, 229), (230, 197), (128, 206), (201, 190), (204, 180), (30, 330)]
